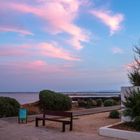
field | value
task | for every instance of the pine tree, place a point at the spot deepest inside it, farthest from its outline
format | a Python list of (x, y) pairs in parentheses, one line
[(134, 75)]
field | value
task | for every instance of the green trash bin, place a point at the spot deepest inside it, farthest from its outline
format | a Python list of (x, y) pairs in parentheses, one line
[(22, 115)]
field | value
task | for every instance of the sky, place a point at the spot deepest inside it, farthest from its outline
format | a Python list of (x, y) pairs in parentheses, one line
[(67, 45)]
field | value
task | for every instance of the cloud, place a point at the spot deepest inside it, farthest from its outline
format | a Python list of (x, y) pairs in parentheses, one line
[(59, 15), (15, 29), (39, 67), (14, 51), (113, 21), (11, 52), (51, 50), (116, 50)]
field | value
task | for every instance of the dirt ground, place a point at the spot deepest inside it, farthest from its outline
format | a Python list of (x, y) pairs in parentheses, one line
[(87, 123), (84, 128)]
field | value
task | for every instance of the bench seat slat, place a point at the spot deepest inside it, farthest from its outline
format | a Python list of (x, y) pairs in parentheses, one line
[(52, 119)]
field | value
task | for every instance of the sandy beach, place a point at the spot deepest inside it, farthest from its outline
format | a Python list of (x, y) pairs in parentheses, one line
[(85, 128)]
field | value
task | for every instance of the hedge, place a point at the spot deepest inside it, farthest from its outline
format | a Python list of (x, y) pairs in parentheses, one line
[(109, 102), (87, 103), (99, 102), (114, 114), (8, 107), (50, 100)]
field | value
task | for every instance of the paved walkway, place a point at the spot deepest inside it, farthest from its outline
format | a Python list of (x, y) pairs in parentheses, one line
[(11, 130), (95, 110)]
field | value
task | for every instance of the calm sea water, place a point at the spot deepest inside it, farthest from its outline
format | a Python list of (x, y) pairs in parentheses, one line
[(29, 97), (22, 97)]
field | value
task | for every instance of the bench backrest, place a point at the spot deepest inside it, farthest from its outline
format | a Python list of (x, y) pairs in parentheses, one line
[(58, 113)]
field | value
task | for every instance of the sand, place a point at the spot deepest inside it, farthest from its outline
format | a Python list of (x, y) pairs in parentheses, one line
[(85, 128)]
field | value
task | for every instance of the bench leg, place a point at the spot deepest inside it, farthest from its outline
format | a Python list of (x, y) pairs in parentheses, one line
[(43, 122), (18, 120), (63, 127), (36, 122), (71, 126)]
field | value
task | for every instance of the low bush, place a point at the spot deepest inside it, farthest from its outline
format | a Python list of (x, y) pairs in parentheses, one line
[(132, 104), (82, 103), (109, 102), (8, 107), (114, 114), (94, 103), (115, 102), (99, 102), (91, 103), (50, 100), (136, 123), (87, 104)]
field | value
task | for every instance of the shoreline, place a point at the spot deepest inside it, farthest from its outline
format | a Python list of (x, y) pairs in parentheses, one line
[(29, 97)]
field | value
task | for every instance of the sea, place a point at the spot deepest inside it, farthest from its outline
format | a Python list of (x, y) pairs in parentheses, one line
[(29, 97)]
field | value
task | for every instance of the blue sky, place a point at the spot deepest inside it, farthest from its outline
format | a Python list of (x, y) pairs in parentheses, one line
[(67, 45)]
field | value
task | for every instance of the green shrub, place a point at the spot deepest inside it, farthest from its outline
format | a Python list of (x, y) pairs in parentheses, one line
[(134, 78), (132, 104), (87, 104), (134, 74), (132, 107), (8, 107), (82, 103), (136, 123), (109, 102), (115, 102), (50, 100), (94, 103), (91, 103), (99, 102), (114, 114), (118, 102)]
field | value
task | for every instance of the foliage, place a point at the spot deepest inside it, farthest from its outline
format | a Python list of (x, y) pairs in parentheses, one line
[(82, 103), (87, 104), (99, 102), (91, 103), (134, 78), (94, 103), (134, 75), (109, 102), (115, 102), (114, 114), (8, 107), (136, 123), (50, 100), (132, 104)]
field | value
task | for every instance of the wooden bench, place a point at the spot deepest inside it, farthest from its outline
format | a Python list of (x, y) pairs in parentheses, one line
[(66, 118)]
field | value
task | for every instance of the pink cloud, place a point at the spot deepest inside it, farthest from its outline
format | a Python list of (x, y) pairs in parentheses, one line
[(15, 29), (35, 65), (38, 67), (60, 15), (52, 50), (25, 66), (47, 49), (113, 21), (117, 50), (8, 51)]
